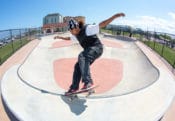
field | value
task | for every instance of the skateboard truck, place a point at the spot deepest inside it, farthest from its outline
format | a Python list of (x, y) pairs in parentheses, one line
[(90, 92)]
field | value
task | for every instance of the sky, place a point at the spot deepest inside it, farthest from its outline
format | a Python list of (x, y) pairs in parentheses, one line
[(153, 15)]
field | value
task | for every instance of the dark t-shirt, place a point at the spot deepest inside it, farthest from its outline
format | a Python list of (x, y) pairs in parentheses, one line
[(87, 41)]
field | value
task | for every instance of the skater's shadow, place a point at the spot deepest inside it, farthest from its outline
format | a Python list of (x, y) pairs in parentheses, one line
[(77, 106)]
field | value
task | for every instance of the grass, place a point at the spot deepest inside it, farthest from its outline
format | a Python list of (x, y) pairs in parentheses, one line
[(167, 53), (10, 48), (106, 31)]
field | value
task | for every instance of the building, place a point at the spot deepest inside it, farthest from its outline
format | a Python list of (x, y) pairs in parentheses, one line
[(56, 22), (53, 18), (53, 23)]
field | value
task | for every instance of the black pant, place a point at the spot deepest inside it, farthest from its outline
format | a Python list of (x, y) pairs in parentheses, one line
[(82, 67)]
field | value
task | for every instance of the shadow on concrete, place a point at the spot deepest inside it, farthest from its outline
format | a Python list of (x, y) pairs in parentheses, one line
[(11, 116), (77, 106)]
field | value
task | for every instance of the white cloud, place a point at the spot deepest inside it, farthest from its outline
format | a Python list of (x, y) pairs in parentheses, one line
[(151, 23), (172, 15)]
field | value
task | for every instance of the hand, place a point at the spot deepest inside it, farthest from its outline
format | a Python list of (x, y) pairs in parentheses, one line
[(120, 15), (57, 37)]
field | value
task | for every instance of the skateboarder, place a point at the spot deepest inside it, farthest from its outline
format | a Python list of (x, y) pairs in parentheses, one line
[(93, 49)]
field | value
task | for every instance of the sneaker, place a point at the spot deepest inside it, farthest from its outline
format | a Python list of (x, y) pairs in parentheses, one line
[(70, 91), (86, 86)]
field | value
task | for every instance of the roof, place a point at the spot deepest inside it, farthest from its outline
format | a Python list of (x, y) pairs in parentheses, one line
[(53, 14)]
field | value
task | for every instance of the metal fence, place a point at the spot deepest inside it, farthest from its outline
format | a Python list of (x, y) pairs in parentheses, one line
[(13, 39), (162, 43)]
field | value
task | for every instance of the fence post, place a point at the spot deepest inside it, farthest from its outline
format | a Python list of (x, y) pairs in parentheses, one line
[(20, 37), (147, 38), (11, 36), (140, 37), (174, 64), (0, 61), (163, 47), (29, 35), (154, 39)]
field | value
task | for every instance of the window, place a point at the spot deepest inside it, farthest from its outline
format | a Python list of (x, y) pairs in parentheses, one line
[(51, 20)]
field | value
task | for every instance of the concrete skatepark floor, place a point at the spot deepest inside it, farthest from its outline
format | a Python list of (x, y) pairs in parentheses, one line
[(131, 74)]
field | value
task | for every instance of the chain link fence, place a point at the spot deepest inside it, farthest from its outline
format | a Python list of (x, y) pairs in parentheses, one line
[(162, 43), (13, 39)]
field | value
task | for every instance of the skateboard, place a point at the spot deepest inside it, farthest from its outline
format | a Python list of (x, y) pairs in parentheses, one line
[(74, 95)]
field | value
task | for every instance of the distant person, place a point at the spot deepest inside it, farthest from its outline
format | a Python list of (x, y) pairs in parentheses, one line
[(93, 49)]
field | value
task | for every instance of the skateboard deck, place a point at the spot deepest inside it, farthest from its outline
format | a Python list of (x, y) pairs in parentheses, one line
[(89, 92)]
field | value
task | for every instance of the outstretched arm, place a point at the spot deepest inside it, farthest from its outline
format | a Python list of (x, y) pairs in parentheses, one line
[(64, 38), (109, 20)]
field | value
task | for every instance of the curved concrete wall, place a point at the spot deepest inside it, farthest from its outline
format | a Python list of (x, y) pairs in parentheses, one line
[(138, 73)]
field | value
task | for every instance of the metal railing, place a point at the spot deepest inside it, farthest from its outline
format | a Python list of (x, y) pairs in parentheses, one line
[(162, 43), (13, 39)]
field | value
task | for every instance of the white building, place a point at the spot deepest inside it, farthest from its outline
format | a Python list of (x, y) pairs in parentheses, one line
[(56, 22), (53, 18), (53, 23)]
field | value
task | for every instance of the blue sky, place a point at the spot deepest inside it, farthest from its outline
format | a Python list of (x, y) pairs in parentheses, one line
[(156, 15)]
